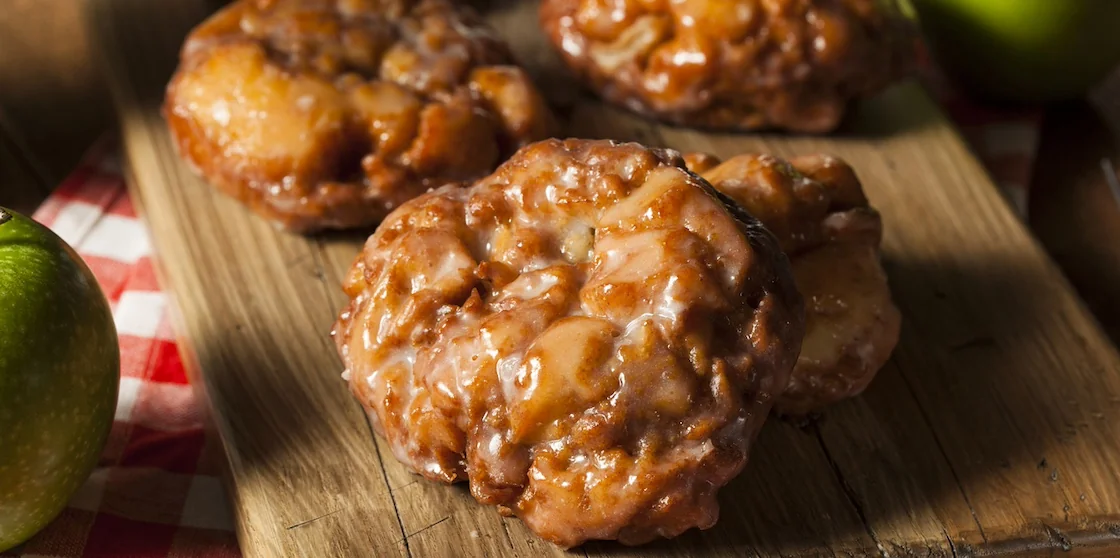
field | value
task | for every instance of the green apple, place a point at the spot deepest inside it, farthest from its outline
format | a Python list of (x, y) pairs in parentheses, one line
[(59, 373), (1024, 50)]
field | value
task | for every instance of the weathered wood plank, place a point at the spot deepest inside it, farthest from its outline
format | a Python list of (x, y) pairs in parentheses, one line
[(999, 365), (307, 481)]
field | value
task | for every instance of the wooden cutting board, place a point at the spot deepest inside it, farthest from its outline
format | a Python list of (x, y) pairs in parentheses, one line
[(994, 430)]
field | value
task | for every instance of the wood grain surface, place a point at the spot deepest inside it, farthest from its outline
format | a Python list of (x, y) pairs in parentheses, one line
[(993, 430)]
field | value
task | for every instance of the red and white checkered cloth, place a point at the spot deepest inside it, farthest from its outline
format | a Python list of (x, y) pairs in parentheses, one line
[(156, 492), (1005, 140)]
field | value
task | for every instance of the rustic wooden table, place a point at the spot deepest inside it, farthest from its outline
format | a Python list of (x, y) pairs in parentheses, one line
[(53, 105), (52, 102)]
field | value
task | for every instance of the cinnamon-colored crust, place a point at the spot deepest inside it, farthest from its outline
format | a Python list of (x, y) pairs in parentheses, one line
[(591, 336), (330, 113), (817, 209), (733, 64)]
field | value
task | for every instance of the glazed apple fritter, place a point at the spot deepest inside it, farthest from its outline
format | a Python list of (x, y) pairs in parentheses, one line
[(330, 113), (592, 336), (733, 64), (816, 207)]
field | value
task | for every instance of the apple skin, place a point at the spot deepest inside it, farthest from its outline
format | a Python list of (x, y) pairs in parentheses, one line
[(1029, 51), (59, 375)]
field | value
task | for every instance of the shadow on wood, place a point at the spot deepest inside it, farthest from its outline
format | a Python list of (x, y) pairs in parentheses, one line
[(999, 366)]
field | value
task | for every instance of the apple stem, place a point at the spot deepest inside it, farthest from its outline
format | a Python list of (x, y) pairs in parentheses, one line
[(4, 216)]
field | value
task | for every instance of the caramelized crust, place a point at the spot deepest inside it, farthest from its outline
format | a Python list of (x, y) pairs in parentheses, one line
[(732, 64), (330, 113), (591, 336), (816, 207)]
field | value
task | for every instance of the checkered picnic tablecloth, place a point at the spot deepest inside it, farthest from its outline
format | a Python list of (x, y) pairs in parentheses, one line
[(156, 492)]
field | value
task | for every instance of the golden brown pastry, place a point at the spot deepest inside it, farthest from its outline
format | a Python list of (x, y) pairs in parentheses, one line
[(330, 113), (816, 207), (591, 336), (732, 64)]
